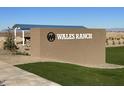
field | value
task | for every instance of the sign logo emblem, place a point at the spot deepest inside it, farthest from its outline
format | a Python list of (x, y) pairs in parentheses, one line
[(51, 36)]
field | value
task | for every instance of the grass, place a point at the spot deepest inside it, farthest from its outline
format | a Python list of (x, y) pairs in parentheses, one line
[(70, 74), (115, 55)]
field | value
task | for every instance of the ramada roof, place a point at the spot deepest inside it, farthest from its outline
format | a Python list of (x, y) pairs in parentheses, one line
[(29, 26)]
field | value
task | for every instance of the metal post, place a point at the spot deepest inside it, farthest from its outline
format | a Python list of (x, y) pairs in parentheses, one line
[(15, 34), (23, 39)]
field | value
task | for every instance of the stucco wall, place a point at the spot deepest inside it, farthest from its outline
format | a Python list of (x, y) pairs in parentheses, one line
[(85, 51)]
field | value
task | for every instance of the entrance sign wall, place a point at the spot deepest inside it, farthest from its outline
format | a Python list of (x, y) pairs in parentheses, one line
[(81, 46)]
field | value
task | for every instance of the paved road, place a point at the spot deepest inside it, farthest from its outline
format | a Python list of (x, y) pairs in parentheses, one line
[(13, 76)]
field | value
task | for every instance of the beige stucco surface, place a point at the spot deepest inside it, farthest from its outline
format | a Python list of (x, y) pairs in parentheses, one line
[(85, 51)]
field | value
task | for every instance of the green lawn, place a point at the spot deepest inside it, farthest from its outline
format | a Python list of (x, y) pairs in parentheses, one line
[(69, 74), (115, 55)]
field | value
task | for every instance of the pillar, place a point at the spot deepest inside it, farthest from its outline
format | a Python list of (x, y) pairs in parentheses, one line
[(23, 38)]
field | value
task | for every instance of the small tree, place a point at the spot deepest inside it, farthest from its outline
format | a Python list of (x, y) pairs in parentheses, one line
[(112, 38), (119, 42), (107, 42), (9, 44), (113, 42), (118, 38)]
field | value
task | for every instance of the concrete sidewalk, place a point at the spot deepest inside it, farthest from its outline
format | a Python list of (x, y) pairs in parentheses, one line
[(13, 76)]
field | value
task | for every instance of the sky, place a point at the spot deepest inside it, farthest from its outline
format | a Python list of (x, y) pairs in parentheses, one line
[(80, 16)]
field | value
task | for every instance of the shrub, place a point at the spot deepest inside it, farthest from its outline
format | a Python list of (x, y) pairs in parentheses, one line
[(107, 42), (9, 44), (118, 38), (119, 42), (113, 42), (112, 38), (22, 53)]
